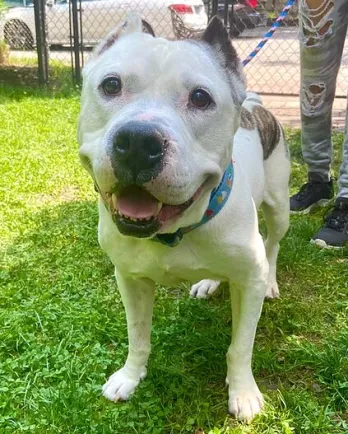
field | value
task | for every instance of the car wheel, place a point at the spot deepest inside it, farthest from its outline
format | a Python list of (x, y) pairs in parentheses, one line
[(147, 28), (18, 35)]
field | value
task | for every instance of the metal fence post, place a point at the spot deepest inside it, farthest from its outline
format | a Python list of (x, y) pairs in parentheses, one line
[(226, 6), (41, 40), (75, 10), (214, 8)]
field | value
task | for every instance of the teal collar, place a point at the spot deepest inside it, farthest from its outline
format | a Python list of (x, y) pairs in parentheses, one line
[(217, 201)]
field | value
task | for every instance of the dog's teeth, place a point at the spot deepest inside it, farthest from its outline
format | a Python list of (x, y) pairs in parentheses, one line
[(114, 200), (159, 207), (133, 219)]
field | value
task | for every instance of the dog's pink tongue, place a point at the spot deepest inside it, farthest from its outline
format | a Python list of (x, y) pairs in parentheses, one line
[(137, 203)]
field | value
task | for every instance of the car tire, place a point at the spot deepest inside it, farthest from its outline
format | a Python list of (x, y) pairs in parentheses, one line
[(147, 28), (18, 35)]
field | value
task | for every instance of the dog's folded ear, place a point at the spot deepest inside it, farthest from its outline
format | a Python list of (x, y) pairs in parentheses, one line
[(132, 24), (216, 36)]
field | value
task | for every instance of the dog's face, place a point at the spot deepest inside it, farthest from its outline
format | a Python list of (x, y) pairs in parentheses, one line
[(157, 124)]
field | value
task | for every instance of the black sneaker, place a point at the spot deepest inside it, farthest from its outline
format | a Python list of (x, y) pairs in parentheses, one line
[(334, 234), (311, 195)]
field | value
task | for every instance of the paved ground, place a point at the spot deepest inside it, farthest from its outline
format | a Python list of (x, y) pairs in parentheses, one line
[(276, 67), (287, 110)]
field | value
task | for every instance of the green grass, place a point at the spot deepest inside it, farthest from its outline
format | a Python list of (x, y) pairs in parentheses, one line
[(62, 324)]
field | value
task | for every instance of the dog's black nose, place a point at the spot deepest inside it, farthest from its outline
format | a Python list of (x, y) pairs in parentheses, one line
[(138, 147)]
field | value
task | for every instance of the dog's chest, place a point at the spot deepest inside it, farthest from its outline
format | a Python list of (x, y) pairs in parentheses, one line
[(165, 265)]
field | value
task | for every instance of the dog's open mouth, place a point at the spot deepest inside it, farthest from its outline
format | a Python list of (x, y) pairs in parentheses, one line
[(139, 214)]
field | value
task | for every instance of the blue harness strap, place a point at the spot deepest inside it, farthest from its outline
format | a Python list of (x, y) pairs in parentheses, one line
[(218, 198)]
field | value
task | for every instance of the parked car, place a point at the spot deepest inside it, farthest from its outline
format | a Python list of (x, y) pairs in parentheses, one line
[(98, 18), (245, 14), (13, 3)]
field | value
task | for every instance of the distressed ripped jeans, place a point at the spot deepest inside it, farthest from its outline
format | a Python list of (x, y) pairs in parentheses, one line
[(323, 29)]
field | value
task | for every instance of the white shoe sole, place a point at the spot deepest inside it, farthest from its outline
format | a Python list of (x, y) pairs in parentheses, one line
[(320, 204), (322, 244)]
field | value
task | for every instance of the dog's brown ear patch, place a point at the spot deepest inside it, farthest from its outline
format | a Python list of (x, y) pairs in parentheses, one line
[(216, 36)]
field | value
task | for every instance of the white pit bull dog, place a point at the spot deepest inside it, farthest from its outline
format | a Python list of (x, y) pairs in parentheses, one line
[(158, 123)]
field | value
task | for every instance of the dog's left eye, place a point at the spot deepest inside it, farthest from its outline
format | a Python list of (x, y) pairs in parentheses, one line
[(200, 99), (111, 86)]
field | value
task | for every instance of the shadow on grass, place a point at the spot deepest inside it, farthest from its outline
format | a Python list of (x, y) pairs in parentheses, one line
[(20, 82)]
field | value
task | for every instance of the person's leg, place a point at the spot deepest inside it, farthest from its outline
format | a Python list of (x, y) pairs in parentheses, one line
[(343, 179), (323, 31), (335, 231), (323, 26)]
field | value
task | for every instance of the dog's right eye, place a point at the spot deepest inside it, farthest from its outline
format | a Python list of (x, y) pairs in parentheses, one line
[(200, 98), (111, 86)]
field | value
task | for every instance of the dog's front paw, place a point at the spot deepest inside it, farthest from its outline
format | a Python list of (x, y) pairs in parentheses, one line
[(245, 404), (204, 288), (121, 385), (272, 290)]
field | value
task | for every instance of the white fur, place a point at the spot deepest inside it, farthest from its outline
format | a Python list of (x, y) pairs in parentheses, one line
[(204, 288), (227, 248)]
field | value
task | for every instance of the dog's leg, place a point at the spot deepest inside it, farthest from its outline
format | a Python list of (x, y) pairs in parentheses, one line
[(204, 288), (275, 207), (245, 399), (137, 297), (277, 223)]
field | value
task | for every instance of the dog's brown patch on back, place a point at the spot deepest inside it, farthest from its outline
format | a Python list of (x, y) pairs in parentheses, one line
[(247, 120), (268, 128)]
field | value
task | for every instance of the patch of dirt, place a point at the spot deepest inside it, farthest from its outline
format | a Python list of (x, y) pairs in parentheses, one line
[(67, 194)]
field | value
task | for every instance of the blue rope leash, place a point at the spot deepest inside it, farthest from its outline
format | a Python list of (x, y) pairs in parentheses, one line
[(270, 32)]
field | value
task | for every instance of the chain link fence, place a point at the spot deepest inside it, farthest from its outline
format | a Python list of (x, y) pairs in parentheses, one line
[(73, 27)]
